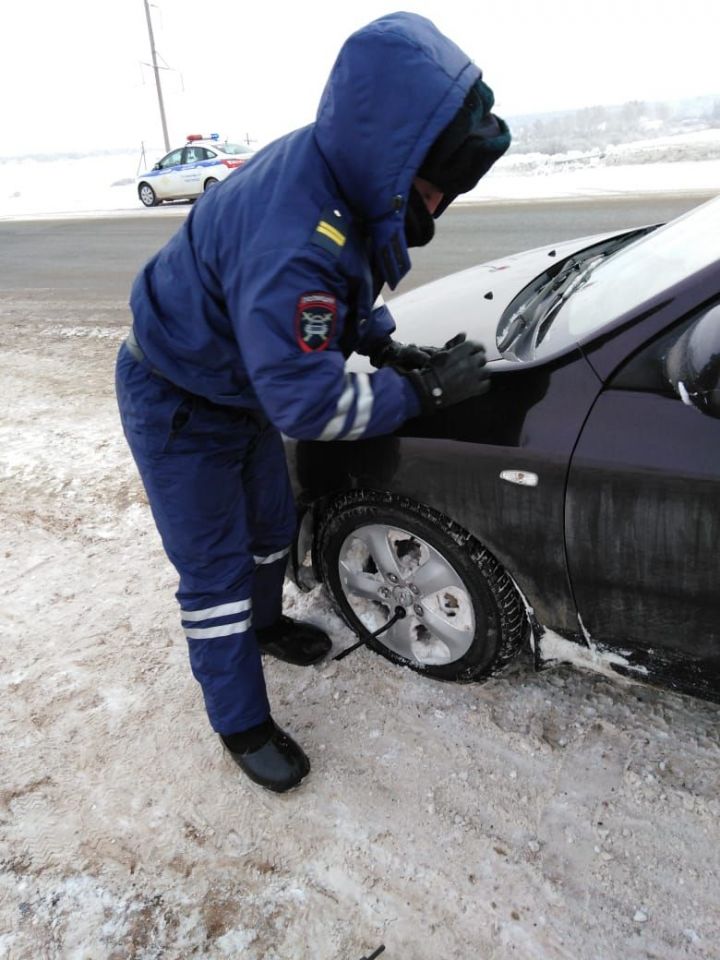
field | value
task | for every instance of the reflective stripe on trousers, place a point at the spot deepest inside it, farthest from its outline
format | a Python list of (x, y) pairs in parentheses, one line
[(217, 482)]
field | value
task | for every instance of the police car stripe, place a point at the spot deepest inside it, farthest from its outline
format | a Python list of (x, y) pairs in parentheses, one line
[(336, 423), (272, 557), (210, 613), (364, 408), (329, 231), (212, 633)]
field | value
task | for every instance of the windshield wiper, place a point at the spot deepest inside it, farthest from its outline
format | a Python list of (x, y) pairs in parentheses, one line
[(531, 311), (516, 326), (532, 319), (544, 320)]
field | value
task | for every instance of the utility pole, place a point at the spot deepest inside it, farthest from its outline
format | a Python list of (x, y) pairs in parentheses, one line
[(156, 70)]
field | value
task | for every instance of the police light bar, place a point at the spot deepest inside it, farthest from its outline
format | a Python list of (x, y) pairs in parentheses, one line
[(214, 136), (192, 137)]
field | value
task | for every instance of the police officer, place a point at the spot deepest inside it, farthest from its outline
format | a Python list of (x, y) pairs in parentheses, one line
[(241, 327)]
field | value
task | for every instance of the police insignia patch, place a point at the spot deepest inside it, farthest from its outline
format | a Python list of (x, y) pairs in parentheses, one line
[(315, 321)]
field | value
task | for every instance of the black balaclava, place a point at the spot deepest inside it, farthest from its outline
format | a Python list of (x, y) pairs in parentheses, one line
[(463, 153), (419, 224)]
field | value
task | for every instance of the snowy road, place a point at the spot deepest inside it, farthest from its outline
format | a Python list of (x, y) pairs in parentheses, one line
[(552, 816)]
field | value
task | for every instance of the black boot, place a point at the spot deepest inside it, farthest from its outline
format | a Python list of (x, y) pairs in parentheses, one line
[(268, 756), (293, 642)]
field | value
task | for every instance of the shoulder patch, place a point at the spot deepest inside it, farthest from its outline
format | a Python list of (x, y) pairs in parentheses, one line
[(315, 317), (331, 231)]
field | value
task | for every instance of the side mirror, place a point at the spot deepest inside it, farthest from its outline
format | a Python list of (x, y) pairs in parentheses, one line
[(157, 166), (693, 363)]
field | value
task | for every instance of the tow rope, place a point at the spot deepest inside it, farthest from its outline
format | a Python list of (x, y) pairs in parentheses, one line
[(398, 615)]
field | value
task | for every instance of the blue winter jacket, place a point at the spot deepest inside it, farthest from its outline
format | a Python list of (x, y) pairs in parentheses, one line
[(270, 283)]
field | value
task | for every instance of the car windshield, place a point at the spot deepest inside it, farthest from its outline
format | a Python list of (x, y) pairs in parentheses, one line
[(641, 272), (606, 281), (234, 149)]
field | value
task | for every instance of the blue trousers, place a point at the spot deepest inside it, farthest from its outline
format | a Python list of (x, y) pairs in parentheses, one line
[(217, 482)]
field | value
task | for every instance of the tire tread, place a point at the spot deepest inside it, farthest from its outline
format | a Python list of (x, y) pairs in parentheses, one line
[(510, 609)]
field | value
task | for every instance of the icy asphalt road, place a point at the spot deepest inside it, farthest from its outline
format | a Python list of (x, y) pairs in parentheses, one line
[(96, 259)]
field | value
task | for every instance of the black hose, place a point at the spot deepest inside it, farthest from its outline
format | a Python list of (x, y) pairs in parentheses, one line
[(398, 615)]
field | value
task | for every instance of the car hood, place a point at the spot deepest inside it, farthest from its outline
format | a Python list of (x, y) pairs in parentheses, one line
[(473, 300)]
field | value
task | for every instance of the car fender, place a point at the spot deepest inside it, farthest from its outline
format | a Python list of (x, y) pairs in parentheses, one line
[(464, 463)]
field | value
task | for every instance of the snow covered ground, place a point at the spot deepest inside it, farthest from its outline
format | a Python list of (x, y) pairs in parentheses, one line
[(550, 816), (680, 164)]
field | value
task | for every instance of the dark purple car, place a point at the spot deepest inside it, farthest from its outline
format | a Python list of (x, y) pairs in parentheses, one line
[(576, 506)]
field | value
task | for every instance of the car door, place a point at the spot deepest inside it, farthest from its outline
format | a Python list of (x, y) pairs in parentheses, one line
[(191, 171), (165, 183), (642, 516)]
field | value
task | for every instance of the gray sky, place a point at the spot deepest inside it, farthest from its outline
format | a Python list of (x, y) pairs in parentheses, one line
[(72, 76)]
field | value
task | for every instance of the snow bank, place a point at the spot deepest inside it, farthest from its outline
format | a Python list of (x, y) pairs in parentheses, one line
[(31, 187), (687, 163)]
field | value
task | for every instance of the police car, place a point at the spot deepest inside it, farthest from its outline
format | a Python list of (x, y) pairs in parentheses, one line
[(190, 170)]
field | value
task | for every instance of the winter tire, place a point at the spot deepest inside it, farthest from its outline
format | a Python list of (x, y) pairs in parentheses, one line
[(147, 195), (463, 617)]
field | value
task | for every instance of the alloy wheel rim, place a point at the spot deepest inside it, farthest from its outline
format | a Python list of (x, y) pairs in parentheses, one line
[(383, 567)]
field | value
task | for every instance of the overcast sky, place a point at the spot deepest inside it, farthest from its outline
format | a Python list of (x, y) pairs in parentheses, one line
[(74, 74)]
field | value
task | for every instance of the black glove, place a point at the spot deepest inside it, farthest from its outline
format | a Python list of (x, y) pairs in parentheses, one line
[(403, 356), (454, 373)]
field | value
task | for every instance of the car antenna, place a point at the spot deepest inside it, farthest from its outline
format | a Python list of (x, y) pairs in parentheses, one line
[(398, 615)]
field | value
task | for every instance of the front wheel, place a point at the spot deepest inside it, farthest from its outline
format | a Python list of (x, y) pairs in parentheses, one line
[(147, 195), (462, 616)]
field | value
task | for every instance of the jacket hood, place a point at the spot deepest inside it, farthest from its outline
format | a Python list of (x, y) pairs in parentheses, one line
[(396, 84)]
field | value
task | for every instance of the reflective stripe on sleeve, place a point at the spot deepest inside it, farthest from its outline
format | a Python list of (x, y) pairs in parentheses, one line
[(272, 557), (363, 411), (335, 424), (226, 630), (210, 613)]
